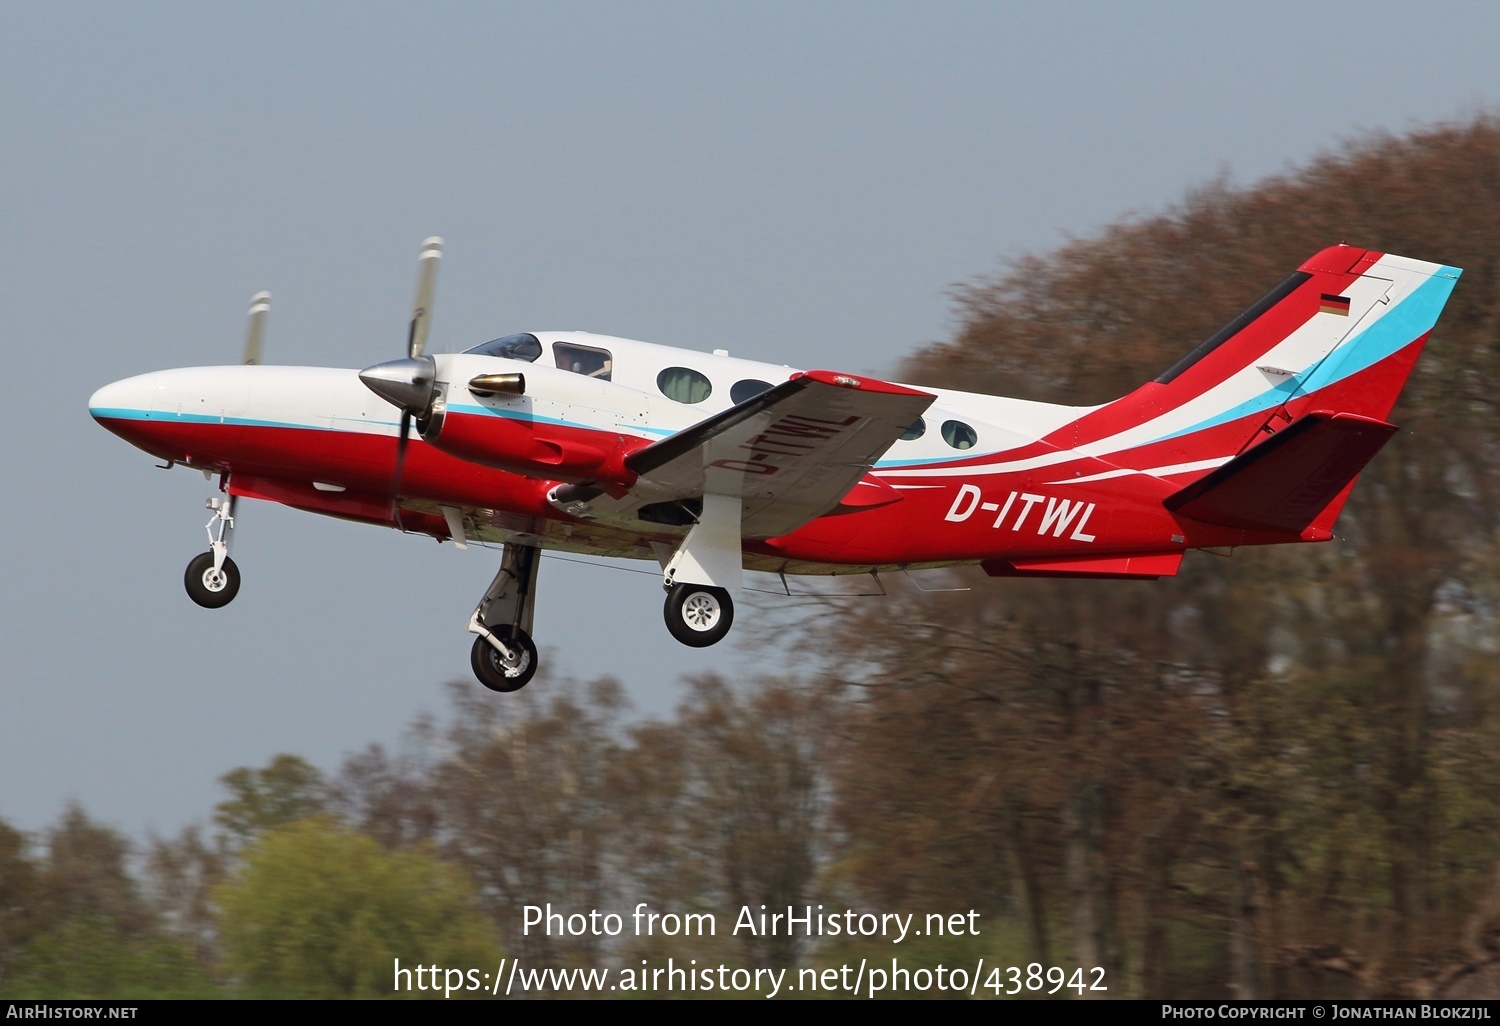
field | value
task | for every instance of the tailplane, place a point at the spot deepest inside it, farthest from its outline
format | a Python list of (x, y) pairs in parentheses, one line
[(1295, 481)]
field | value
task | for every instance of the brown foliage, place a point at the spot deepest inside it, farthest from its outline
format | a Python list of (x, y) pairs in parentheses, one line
[(1267, 754)]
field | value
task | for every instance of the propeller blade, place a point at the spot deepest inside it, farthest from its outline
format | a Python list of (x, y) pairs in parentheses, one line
[(410, 383), (260, 305), (421, 315), (401, 441)]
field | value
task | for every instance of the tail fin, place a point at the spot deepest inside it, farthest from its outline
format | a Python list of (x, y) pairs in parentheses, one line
[(1340, 335)]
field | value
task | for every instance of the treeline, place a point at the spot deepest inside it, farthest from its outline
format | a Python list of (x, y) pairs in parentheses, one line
[(1276, 775), (307, 886)]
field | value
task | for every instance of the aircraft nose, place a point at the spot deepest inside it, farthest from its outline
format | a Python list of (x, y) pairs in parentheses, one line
[(129, 399)]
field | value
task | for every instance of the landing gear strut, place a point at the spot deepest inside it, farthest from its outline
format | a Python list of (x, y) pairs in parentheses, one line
[(212, 579), (504, 657)]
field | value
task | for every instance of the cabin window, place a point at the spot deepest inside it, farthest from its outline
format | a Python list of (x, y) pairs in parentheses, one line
[(747, 389), (585, 360), (683, 385), (512, 347), (958, 434), (917, 430)]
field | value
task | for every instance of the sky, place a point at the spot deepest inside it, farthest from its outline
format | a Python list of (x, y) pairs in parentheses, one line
[(796, 182)]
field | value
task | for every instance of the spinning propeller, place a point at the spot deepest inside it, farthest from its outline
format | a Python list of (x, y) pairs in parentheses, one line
[(410, 384), (260, 305)]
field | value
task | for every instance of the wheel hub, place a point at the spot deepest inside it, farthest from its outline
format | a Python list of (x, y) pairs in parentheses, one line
[(513, 666), (701, 612)]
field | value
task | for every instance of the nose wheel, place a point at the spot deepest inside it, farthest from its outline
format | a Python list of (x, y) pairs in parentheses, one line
[(698, 616), (209, 586), (212, 580)]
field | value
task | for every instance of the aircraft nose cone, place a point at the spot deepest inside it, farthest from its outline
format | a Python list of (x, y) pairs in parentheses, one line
[(121, 400), (407, 384)]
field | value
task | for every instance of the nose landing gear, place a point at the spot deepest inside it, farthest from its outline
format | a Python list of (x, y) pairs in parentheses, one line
[(209, 586), (212, 579)]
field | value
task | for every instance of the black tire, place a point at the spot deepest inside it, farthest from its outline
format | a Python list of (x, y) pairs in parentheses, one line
[(698, 616), (498, 674), (204, 588)]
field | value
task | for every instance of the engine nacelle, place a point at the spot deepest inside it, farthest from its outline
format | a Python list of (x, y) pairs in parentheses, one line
[(495, 434)]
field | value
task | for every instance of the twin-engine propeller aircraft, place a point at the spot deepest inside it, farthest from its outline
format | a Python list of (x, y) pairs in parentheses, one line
[(711, 465)]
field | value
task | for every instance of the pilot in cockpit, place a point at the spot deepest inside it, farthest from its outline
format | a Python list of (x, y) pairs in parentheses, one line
[(585, 360)]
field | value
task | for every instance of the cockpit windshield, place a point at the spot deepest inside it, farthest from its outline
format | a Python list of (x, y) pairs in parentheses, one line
[(512, 347)]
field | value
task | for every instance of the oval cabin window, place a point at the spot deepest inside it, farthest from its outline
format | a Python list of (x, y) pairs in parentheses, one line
[(683, 385), (958, 434), (747, 389)]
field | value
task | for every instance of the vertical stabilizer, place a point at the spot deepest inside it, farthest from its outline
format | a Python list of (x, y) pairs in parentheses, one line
[(1340, 335)]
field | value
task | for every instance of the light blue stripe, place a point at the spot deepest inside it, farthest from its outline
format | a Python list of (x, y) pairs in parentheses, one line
[(116, 413), (967, 455)]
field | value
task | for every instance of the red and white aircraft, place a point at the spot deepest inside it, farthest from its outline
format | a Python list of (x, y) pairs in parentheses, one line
[(711, 465)]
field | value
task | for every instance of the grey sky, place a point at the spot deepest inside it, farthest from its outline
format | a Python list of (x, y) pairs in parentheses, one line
[(797, 182)]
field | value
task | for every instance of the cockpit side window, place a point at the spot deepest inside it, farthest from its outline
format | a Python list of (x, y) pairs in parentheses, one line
[(524, 346), (585, 360)]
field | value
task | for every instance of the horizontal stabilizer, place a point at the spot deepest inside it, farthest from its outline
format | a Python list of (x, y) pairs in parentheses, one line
[(1138, 566), (1283, 483)]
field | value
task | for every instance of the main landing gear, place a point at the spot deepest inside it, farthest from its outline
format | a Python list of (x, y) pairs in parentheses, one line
[(504, 657), (698, 615), (699, 611), (212, 579)]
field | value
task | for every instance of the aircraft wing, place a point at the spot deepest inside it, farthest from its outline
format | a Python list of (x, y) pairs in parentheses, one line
[(790, 454)]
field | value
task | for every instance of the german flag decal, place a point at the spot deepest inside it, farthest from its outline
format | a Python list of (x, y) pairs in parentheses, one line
[(1334, 305)]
